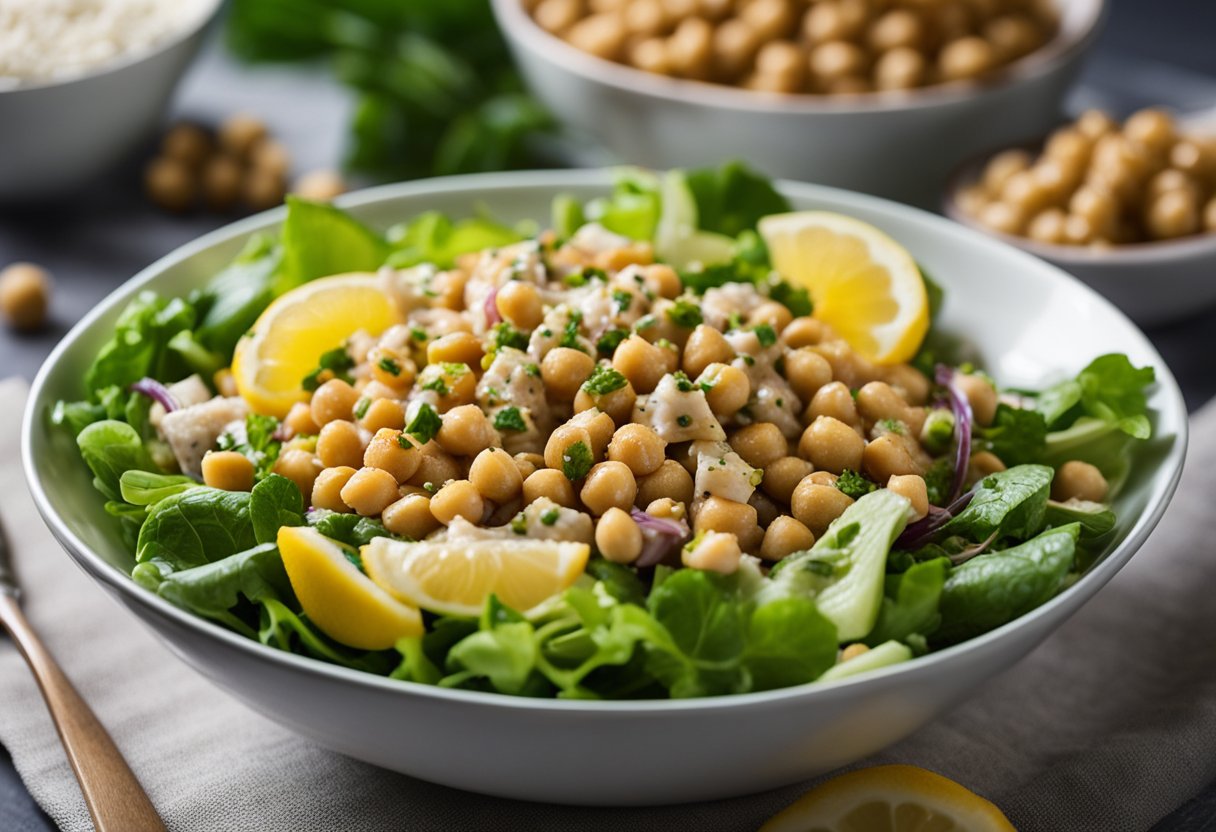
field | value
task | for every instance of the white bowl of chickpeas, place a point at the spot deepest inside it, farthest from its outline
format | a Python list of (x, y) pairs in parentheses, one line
[(879, 97), (1030, 325), (1128, 208), (83, 84)]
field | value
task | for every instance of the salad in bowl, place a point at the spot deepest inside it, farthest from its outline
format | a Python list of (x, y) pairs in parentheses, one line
[(675, 441)]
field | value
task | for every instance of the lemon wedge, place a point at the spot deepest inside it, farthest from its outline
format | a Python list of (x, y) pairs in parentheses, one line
[(338, 598), (457, 578), (289, 337), (864, 285), (893, 799)]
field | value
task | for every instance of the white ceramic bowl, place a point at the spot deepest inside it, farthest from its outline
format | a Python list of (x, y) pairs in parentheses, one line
[(1031, 323), (56, 135), (1154, 283), (896, 145)]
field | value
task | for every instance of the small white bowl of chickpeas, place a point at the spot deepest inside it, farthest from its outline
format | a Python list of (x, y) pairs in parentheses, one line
[(1129, 208), (883, 97)]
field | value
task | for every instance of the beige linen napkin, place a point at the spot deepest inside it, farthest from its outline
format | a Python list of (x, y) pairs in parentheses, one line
[(1109, 725)]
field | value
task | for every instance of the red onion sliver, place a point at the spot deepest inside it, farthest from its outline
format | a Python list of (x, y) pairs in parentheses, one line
[(156, 391), (491, 308), (660, 537), (962, 427)]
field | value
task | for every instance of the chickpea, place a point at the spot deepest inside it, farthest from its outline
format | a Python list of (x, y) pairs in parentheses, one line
[(335, 399), (187, 143), (802, 332), (225, 383), (769, 19), (410, 517), (832, 445), (320, 185), (299, 420), (1209, 215), (834, 400), (663, 280), (776, 315), (302, 468), (528, 463), (600, 428), (238, 134), (618, 404), (670, 480), (1003, 218), (1094, 124), (1024, 194), (550, 483), (667, 509), (24, 295), (1097, 206), (395, 452), (1152, 129), (369, 491), (1047, 226), (784, 63), (227, 470), (876, 401), (435, 467), (1069, 146), (891, 455), (896, 29), (609, 484), (557, 16), (964, 58), (339, 444), (642, 363), (495, 475), (690, 48), (459, 498), (271, 156), (901, 68), (262, 190), (705, 346), (639, 448), (807, 371), (466, 431), (816, 506), (618, 536), (383, 413), (734, 47), (908, 382), (760, 444), (644, 18), (519, 303), (822, 478), (220, 183), (447, 288), (603, 35), (327, 489), (453, 383), (455, 347), (564, 370), (783, 537), (837, 59), (782, 477), (1193, 157), (1012, 36), (1169, 180), (914, 489), (650, 55), (170, 184), (721, 515), (1077, 480), (981, 395), (852, 651), (561, 439), (714, 552), (729, 389), (831, 21), (1173, 214)]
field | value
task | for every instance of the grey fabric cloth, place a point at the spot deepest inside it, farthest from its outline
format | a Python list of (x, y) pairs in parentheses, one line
[(1108, 726)]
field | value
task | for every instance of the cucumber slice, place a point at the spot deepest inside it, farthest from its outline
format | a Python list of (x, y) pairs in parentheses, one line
[(887, 653), (855, 547), (677, 241)]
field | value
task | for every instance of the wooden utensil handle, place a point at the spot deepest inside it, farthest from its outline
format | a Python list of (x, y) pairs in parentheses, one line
[(115, 799)]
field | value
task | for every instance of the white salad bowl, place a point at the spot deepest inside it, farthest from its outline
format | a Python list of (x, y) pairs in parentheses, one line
[(1031, 323), (899, 145)]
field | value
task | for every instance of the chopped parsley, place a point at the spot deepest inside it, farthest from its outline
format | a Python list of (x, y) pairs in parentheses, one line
[(425, 424), (766, 334), (532, 370), (454, 369), (576, 461), (798, 301), (576, 280), (430, 487), (418, 333), (685, 313), (519, 524), (333, 364), (550, 517), (854, 484), (734, 321), (604, 380), (890, 426), (437, 384), (389, 365), (570, 336), (683, 383), (361, 407), (509, 418), (505, 335), (622, 299), (645, 322), (748, 360), (403, 439), (354, 557), (684, 420), (610, 340)]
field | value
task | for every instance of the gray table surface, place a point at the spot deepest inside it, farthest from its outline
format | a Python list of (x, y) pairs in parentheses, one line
[(1152, 51)]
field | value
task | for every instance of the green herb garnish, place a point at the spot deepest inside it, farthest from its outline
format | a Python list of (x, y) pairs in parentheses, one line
[(333, 364), (685, 313), (576, 461), (509, 418), (604, 380), (854, 484), (425, 424)]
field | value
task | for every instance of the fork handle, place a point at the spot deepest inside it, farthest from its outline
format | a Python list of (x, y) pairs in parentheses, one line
[(116, 801)]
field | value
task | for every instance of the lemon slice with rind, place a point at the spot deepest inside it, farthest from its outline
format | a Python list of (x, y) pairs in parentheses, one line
[(288, 339), (891, 798), (343, 602), (456, 578), (863, 284)]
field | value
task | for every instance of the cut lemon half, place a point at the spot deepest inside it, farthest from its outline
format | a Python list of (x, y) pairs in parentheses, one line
[(290, 336), (458, 578), (890, 799), (863, 284), (338, 598)]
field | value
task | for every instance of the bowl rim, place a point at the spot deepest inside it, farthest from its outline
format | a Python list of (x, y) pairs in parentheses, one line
[(208, 11), (1153, 252), (1164, 481), (522, 29)]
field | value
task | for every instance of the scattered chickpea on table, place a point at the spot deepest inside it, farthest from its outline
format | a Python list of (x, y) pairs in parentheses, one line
[(25, 295), (1099, 183), (804, 46)]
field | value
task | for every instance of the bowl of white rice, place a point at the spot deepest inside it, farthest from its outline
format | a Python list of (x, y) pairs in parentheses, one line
[(84, 82)]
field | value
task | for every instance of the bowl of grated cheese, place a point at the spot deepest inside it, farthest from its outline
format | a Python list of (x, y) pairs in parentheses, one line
[(83, 82)]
